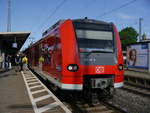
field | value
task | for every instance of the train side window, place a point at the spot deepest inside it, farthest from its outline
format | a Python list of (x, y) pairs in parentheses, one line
[(56, 46)]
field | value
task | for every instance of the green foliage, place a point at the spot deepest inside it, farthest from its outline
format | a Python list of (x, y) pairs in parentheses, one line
[(128, 35)]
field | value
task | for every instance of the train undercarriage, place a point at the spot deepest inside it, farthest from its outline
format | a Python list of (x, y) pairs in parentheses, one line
[(96, 87)]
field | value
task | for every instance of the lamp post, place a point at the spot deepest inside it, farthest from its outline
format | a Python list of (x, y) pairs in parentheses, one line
[(140, 29)]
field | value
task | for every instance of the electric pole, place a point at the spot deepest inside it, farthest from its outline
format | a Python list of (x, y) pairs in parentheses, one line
[(9, 16), (140, 29)]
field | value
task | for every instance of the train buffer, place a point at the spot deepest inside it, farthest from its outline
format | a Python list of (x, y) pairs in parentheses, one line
[(22, 92)]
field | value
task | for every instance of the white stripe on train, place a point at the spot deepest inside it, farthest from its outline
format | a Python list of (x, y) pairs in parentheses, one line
[(118, 85), (72, 86), (80, 86)]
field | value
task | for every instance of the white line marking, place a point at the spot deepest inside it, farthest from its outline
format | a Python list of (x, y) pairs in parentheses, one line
[(30, 95), (26, 76), (39, 91), (35, 86), (54, 97), (31, 80), (49, 106), (36, 110), (41, 98), (33, 83)]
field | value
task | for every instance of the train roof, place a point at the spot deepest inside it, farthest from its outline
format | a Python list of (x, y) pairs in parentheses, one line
[(52, 27), (86, 20)]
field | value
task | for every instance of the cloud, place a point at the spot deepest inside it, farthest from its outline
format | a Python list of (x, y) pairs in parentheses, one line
[(126, 17)]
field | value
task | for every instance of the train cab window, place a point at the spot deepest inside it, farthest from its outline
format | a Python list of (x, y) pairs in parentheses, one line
[(94, 38)]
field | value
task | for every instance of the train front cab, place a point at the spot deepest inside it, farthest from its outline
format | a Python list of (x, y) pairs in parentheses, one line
[(91, 55)]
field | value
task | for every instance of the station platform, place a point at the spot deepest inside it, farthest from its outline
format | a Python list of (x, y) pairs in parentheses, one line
[(137, 73), (22, 92), (138, 77), (13, 94)]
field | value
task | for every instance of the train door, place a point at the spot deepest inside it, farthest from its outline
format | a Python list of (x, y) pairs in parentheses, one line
[(45, 47), (58, 58), (36, 56)]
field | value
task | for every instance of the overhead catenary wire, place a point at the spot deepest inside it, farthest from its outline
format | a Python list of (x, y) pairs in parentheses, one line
[(130, 25), (135, 23), (89, 3), (51, 15), (86, 6), (115, 9)]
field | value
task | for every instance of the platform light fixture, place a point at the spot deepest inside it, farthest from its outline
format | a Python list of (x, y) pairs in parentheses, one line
[(14, 45)]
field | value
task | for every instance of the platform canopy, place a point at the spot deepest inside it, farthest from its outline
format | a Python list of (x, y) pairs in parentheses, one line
[(11, 42)]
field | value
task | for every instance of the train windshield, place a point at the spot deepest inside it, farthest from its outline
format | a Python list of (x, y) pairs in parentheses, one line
[(95, 39)]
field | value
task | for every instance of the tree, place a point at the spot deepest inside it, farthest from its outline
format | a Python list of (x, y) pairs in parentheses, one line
[(128, 35)]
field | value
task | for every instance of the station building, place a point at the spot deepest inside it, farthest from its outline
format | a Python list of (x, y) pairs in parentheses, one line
[(11, 43)]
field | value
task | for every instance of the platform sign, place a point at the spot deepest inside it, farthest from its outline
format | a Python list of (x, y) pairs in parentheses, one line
[(14, 45), (137, 56)]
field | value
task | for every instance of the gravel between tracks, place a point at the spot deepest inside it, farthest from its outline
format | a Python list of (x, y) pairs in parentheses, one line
[(130, 102)]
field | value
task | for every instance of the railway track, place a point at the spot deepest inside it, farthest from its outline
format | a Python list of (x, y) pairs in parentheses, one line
[(81, 106), (137, 89), (77, 104)]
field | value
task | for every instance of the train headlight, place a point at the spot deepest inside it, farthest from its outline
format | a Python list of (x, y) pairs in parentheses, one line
[(120, 67), (72, 67)]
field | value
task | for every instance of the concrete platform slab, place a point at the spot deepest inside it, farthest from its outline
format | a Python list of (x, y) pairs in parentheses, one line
[(13, 94)]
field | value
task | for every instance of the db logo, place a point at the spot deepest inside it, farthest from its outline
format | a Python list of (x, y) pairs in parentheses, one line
[(99, 69)]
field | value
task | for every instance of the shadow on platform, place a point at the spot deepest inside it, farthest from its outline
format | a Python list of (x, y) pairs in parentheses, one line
[(2, 71), (18, 106), (6, 73)]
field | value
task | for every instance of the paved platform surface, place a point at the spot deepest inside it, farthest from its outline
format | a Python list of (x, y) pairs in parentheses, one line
[(13, 94), (23, 92)]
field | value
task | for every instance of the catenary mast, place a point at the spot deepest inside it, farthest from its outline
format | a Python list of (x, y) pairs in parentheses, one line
[(9, 16)]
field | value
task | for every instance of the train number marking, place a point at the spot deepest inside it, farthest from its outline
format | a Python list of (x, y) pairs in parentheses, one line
[(99, 69)]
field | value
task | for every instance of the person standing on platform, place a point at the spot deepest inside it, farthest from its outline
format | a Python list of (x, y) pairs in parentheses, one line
[(25, 61), (17, 61), (21, 62), (1, 61), (7, 62), (41, 60)]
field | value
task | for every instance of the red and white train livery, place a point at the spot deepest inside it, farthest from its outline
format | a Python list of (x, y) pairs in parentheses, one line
[(79, 54)]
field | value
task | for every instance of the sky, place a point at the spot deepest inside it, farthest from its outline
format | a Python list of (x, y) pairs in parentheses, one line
[(36, 16)]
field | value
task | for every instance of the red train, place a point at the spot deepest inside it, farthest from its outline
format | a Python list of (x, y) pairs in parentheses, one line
[(82, 54)]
